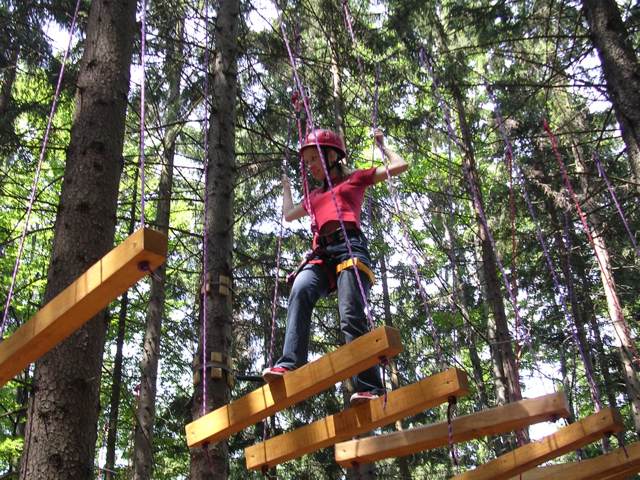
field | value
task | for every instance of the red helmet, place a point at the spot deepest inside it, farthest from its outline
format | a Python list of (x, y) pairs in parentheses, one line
[(324, 138)]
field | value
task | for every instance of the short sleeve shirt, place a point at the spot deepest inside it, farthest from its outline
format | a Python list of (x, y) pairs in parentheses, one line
[(349, 196)]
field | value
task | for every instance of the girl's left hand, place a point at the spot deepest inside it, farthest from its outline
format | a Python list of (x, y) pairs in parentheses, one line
[(378, 135)]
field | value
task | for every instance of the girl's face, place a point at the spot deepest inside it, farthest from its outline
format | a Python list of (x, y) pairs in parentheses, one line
[(313, 160)]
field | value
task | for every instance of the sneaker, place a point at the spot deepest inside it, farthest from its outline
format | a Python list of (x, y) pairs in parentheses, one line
[(269, 374), (359, 398)]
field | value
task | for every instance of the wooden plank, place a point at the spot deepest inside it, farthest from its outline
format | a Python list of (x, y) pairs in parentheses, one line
[(401, 403), (566, 439), (617, 464), (102, 283), (495, 421), (310, 379)]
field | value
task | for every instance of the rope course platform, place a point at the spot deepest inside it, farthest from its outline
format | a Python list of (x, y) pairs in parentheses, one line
[(310, 379), (400, 403), (494, 421), (618, 464), (566, 439), (103, 282)]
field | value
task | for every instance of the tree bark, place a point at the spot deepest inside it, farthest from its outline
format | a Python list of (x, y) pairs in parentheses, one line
[(6, 87), (116, 391), (116, 383), (628, 350), (623, 332), (502, 347), (621, 71), (403, 465), (502, 336), (221, 174), (61, 430), (145, 409)]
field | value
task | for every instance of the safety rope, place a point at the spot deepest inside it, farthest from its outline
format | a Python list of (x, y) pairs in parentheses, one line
[(570, 319), (36, 179), (348, 21), (475, 194), (606, 274), (475, 197), (274, 301), (392, 190), (143, 35), (451, 410), (205, 236), (311, 123), (274, 304), (603, 175)]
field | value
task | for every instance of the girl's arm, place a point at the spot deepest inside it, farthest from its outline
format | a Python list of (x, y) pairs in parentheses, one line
[(290, 211), (396, 165)]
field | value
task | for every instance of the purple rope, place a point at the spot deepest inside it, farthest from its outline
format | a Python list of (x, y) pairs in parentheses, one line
[(275, 294), (274, 301), (205, 236), (606, 274), (602, 173), (594, 390), (451, 407), (478, 204), (328, 177), (376, 98), (143, 34), (392, 190), (414, 264), (34, 186), (349, 24)]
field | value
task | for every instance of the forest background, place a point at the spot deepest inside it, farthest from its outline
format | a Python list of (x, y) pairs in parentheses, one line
[(463, 90)]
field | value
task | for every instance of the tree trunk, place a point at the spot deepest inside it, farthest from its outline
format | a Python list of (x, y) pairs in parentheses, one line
[(621, 71), (403, 465), (502, 340), (8, 79), (145, 409), (460, 301), (338, 104), (221, 174), (628, 350), (116, 391), (116, 384), (623, 332), (502, 336), (61, 430)]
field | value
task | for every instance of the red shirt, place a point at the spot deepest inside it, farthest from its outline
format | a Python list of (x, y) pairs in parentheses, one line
[(349, 196)]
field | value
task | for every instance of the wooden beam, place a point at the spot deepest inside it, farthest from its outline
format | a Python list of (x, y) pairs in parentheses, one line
[(495, 421), (102, 283), (401, 403), (617, 464), (566, 439), (348, 360)]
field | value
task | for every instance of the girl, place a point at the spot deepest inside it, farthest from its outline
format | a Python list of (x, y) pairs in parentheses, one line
[(330, 266)]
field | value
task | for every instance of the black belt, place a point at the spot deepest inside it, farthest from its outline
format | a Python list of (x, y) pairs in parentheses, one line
[(337, 237)]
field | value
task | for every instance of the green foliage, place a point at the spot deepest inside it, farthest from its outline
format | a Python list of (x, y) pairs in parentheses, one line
[(532, 55)]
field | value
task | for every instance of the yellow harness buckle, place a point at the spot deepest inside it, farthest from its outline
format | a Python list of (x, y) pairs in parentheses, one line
[(360, 265)]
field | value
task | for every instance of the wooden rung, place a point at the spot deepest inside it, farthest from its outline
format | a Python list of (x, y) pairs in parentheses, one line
[(403, 402), (495, 421), (102, 283), (610, 466), (566, 439), (310, 379)]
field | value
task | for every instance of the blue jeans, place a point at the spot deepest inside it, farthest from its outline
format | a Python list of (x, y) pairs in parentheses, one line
[(311, 284)]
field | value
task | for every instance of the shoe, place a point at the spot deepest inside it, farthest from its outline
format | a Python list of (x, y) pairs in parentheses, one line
[(359, 398), (270, 374)]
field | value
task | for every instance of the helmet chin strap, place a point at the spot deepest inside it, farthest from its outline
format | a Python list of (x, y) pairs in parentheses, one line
[(333, 165)]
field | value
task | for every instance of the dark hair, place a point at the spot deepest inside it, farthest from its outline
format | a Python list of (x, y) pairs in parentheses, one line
[(343, 170)]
